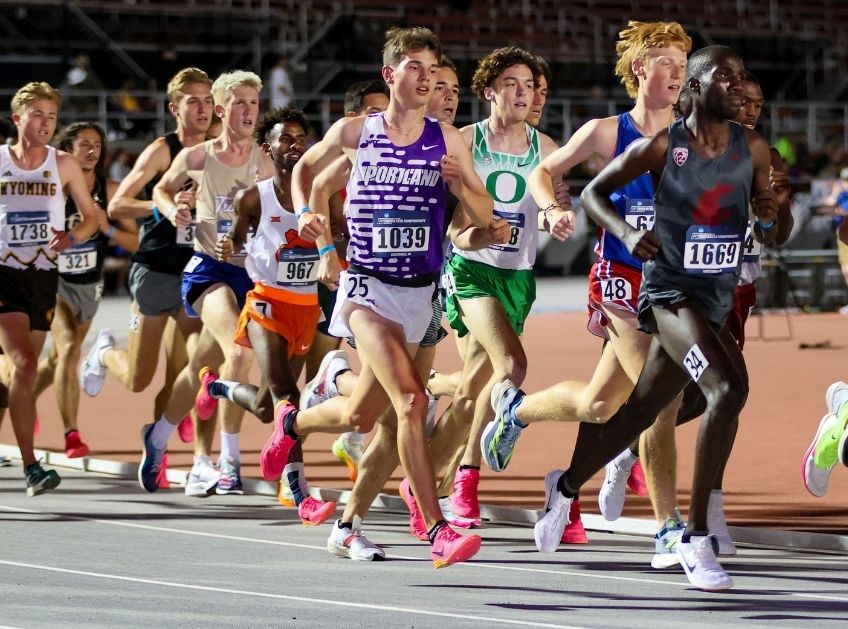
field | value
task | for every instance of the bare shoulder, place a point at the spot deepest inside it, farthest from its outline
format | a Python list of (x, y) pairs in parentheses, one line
[(547, 144)]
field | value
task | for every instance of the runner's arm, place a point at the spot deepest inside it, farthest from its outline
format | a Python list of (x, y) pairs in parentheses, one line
[(125, 233), (71, 175), (458, 172), (178, 211)]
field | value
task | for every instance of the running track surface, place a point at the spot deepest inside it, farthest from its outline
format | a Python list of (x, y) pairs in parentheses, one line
[(763, 483)]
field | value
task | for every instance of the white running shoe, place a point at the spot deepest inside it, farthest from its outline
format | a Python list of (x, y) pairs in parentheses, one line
[(611, 496), (817, 478), (92, 374), (202, 478), (703, 570), (351, 543), (5, 461), (835, 395), (323, 386), (453, 519), (717, 524), (549, 528)]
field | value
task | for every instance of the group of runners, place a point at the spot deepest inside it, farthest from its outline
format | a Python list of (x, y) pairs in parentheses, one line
[(250, 245)]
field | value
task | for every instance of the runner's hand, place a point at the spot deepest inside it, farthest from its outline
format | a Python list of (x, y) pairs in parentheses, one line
[(561, 223), (186, 197), (765, 206), (61, 240), (562, 194), (642, 244), (779, 181), (310, 226), (499, 231), (329, 269), (224, 248), (181, 216), (450, 169)]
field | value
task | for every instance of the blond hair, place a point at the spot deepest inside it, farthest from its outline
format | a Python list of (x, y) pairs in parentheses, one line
[(636, 41), (229, 81), (177, 84), (34, 91), (400, 41)]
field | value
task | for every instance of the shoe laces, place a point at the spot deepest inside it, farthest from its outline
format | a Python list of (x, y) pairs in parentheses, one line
[(560, 511)]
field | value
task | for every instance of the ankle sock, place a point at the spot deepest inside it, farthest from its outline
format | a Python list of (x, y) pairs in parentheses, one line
[(221, 389), (435, 530), (470, 467), (162, 431), (564, 488), (288, 425), (230, 445)]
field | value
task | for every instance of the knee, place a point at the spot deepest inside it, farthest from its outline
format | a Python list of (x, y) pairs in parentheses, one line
[(25, 371), (728, 397), (514, 368), (413, 407), (463, 403), (239, 358), (598, 411), (360, 420)]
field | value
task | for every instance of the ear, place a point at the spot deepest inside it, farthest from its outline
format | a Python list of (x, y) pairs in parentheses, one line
[(16, 119), (694, 85), (219, 111), (388, 73), (489, 94), (638, 68), (172, 107), (266, 148)]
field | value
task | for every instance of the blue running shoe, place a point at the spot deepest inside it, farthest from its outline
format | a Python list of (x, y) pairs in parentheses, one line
[(499, 436), (151, 461), (666, 541), (229, 482)]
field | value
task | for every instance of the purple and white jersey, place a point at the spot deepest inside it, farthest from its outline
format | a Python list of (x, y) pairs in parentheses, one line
[(395, 205)]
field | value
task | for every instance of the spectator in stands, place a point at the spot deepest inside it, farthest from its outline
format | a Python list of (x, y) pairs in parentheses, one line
[(81, 77), (120, 165), (280, 85)]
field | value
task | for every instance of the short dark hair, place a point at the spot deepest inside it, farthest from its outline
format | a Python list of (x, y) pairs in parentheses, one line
[(356, 93), (544, 68), (448, 63), (278, 116), (750, 77), (492, 66), (701, 60)]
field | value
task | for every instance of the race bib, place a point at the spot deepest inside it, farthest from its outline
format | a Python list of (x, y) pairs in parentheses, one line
[(448, 284), (297, 267), (616, 289), (400, 233), (516, 231), (27, 229), (640, 214), (192, 264), (185, 235), (753, 247), (711, 250), (79, 259)]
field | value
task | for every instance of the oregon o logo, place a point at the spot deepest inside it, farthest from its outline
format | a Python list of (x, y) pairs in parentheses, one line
[(506, 189)]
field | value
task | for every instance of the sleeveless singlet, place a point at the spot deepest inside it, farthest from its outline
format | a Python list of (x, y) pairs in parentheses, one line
[(31, 202), (702, 211), (277, 256), (216, 190), (505, 177), (395, 204), (83, 263), (162, 247), (634, 202)]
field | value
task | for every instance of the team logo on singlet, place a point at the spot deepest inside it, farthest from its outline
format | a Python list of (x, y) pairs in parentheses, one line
[(680, 154)]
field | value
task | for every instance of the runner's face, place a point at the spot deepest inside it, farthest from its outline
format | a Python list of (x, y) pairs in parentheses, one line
[(241, 111), (87, 147), (37, 122), (540, 95), (413, 78), (287, 145), (194, 109), (664, 71), (373, 104), (723, 97), (442, 105), (752, 105), (512, 92)]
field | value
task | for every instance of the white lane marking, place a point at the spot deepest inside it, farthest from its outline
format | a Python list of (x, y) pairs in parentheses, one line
[(478, 564), (285, 597)]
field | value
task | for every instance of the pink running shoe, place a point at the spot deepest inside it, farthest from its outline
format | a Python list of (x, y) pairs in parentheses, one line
[(313, 512), (162, 477), (636, 480), (74, 446), (275, 453), (186, 430), (203, 402), (450, 547), (464, 501), (574, 532), (416, 519)]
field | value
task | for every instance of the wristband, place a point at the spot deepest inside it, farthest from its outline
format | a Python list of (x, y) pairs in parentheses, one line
[(765, 226), (111, 231), (156, 215), (326, 249), (302, 211)]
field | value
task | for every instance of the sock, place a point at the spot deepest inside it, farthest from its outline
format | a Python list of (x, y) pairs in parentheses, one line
[(470, 467), (433, 531), (626, 459), (230, 446), (288, 425), (513, 409), (221, 389), (345, 525), (564, 488), (687, 534), (162, 431), (294, 475)]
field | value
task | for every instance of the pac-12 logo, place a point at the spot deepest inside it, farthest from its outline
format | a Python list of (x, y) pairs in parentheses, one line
[(680, 154)]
